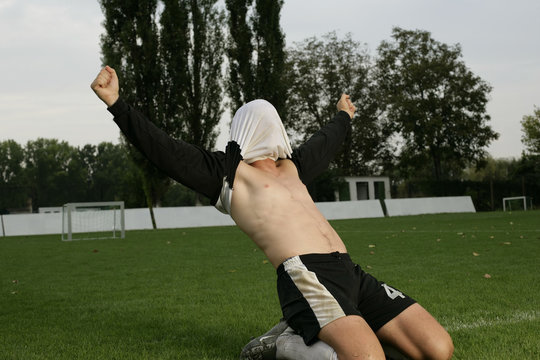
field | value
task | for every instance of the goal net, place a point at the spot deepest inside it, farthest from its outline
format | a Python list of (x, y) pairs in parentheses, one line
[(93, 220)]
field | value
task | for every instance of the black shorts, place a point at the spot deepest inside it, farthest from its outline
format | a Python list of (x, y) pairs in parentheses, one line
[(316, 289)]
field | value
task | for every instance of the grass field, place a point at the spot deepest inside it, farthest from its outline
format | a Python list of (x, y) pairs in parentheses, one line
[(202, 293)]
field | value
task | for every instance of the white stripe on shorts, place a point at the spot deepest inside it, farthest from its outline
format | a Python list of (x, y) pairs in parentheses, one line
[(321, 301)]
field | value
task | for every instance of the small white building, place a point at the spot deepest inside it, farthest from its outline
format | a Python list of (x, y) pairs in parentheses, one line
[(367, 187)]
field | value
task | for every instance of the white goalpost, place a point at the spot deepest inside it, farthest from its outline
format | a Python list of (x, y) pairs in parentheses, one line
[(521, 203), (93, 220)]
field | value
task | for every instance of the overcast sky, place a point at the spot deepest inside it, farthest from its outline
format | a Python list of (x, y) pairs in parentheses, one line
[(49, 54)]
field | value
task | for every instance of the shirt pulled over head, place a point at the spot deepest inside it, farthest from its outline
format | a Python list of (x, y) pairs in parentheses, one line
[(258, 130), (257, 133)]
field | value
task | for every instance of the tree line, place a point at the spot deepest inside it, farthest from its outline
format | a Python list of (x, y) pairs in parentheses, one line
[(48, 172), (421, 110)]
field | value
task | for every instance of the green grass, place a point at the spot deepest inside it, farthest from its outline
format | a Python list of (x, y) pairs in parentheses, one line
[(202, 293)]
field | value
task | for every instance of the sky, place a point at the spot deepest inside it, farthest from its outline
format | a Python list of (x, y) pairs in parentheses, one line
[(50, 53)]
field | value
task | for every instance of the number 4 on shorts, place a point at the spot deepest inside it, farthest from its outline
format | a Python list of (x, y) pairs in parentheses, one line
[(392, 293)]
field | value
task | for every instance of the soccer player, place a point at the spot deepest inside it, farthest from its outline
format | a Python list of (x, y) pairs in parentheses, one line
[(260, 181)]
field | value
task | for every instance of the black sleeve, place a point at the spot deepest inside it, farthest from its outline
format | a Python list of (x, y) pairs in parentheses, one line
[(314, 156), (190, 165)]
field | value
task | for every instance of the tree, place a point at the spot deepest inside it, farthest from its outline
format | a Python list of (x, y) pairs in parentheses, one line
[(270, 45), (13, 187), (174, 42), (433, 102), (319, 72), (173, 76), (130, 45), (192, 53), (240, 82), (256, 53), (48, 172), (529, 164), (491, 169), (180, 195), (530, 125), (528, 169), (54, 173), (111, 174)]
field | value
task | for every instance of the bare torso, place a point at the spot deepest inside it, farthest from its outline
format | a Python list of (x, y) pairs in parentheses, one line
[(273, 207)]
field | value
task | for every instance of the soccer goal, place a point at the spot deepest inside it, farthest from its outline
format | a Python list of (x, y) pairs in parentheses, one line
[(517, 203), (93, 220)]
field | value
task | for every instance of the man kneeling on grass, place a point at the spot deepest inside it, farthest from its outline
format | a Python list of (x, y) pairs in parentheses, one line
[(260, 181)]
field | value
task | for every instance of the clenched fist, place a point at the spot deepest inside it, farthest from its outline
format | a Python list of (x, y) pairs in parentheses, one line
[(346, 105), (105, 85)]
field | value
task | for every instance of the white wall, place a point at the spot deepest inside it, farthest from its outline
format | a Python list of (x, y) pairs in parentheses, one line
[(183, 217), (31, 224), (417, 206), (177, 217), (196, 216), (357, 209)]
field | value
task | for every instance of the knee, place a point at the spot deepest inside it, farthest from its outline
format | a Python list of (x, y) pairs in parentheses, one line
[(447, 351), (443, 349)]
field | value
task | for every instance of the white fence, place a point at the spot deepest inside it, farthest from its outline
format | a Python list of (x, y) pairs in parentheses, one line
[(339, 210), (184, 217), (31, 224), (417, 206)]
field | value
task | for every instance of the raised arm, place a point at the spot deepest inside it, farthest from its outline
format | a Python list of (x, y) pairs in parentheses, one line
[(314, 156), (192, 166)]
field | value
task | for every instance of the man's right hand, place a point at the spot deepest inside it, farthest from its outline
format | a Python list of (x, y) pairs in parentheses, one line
[(106, 86)]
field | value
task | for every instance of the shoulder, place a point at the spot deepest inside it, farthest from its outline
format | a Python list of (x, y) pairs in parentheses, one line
[(287, 166)]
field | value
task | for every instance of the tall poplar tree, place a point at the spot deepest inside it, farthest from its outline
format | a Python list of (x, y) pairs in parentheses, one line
[(171, 72), (240, 53), (130, 45), (256, 50), (192, 53), (270, 47)]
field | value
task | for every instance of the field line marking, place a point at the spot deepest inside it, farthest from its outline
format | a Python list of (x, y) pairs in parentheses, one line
[(517, 317)]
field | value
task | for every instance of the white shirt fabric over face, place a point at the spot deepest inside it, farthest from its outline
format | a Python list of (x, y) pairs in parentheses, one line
[(258, 130)]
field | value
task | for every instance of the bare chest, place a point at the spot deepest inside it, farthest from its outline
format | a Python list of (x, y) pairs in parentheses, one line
[(280, 186), (262, 196), (276, 211)]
